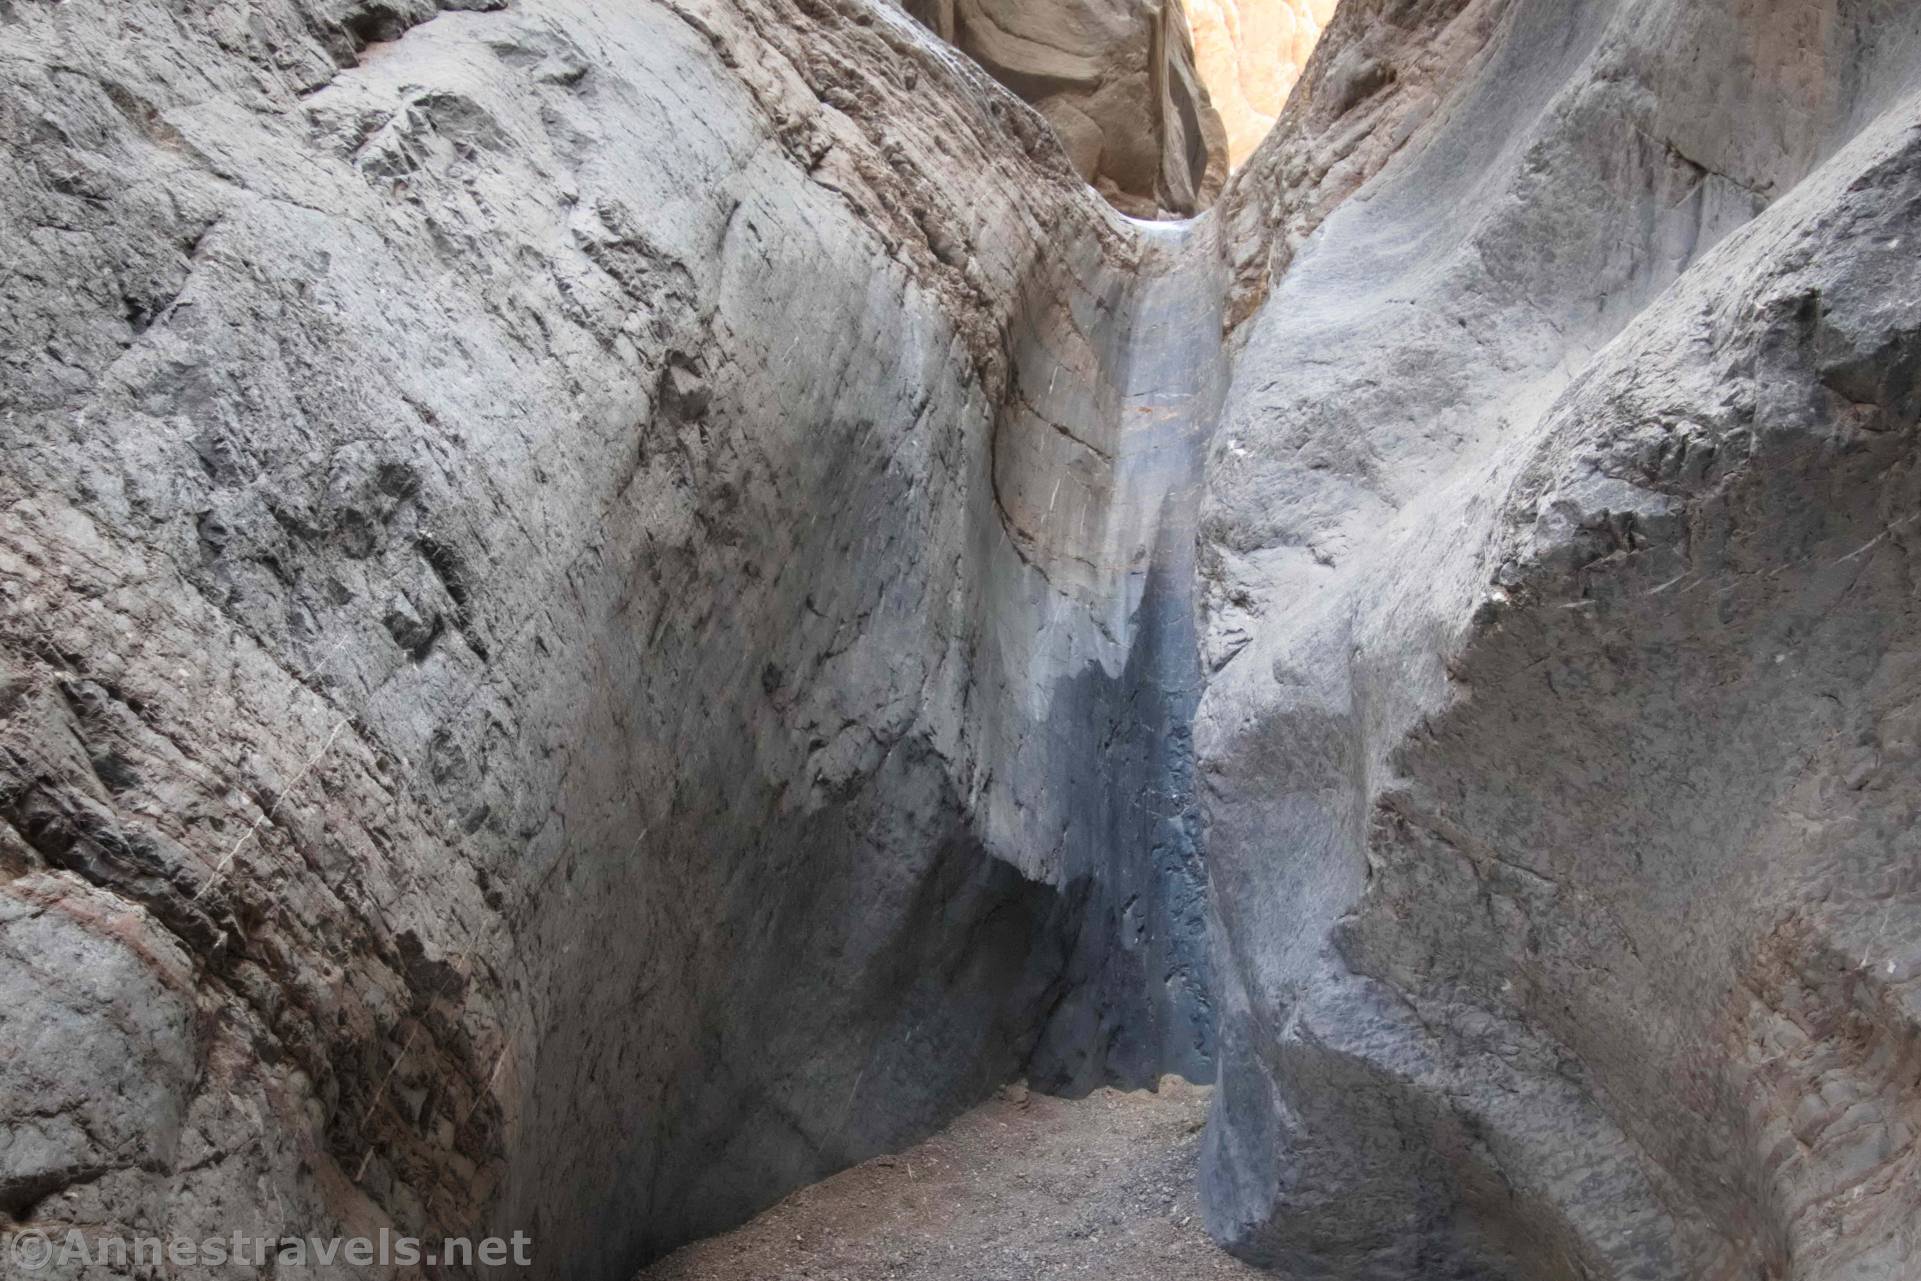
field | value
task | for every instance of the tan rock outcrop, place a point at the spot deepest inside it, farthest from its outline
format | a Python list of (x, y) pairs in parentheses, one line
[(1249, 54), (1116, 79)]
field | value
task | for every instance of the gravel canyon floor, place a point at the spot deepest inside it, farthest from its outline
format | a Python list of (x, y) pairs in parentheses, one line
[(1024, 1186)]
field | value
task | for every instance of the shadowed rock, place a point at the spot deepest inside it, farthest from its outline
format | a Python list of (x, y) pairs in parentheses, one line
[(611, 608)]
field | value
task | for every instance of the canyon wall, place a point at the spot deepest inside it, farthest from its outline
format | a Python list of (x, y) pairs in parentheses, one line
[(523, 703), (510, 643), (1560, 628), (609, 608)]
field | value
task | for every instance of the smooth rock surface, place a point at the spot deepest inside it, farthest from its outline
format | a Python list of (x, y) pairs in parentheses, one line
[(1249, 53), (1560, 632)]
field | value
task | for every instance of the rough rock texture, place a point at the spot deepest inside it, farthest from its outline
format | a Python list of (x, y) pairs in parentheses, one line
[(1249, 53), (1116, 79), (1561, 631), (599, 622), (1384, 72), (522, 707)]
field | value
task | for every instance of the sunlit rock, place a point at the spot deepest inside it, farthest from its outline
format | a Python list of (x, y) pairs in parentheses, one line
[(1249, 53)]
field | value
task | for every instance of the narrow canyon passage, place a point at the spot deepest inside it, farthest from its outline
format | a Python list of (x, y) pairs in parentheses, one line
[(615, 613)]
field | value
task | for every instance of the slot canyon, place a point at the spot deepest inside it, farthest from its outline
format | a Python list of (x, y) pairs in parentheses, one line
[(694, 630)]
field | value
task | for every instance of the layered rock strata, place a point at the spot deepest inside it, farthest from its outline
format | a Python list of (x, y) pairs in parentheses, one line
[(514, 663)]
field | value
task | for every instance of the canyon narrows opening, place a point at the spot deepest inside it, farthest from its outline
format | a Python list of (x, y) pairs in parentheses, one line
[(608, 610), (1155, 105), (1250, 54), (1117, 372)]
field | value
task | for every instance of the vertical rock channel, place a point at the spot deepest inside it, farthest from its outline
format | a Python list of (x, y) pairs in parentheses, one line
[(1097, 458)]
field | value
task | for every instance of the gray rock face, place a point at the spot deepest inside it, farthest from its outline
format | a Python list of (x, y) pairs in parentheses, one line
[(520, 698), (1116, 378), (609, 608), (1558, 620)]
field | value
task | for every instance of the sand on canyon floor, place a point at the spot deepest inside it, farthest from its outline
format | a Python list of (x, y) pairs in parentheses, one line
[(1021, 1187)]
